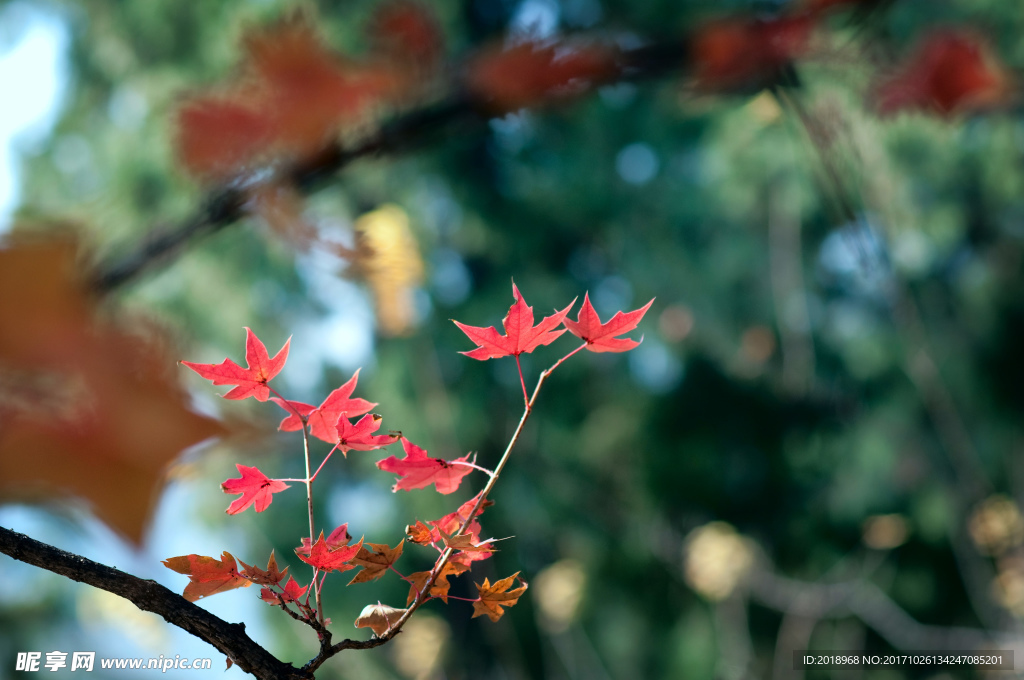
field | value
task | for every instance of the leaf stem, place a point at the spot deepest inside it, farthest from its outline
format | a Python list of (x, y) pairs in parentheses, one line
[(313, 478), (327, 458), (287, 404), (309, 506), (489, 473), (522, 382)]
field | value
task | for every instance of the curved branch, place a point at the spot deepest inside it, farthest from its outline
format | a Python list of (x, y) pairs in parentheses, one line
[(150, 596), (226, 205)]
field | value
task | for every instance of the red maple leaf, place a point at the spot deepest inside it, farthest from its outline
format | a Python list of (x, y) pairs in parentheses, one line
[(251, 380), (521, 336), (323, 419), (254, 486), (359, 436), (324, 558), (601, 337), (417, 470), (339, 538), (292, 592), (207, 575)]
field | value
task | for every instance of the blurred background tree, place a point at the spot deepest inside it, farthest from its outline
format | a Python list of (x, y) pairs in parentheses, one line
[(827, 391)]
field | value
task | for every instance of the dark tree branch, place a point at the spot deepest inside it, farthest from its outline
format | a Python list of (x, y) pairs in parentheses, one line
[(226, 205), (150, 596)]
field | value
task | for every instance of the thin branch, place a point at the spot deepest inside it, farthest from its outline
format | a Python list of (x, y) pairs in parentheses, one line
[(229, 638), (309, 508), (519, 367)]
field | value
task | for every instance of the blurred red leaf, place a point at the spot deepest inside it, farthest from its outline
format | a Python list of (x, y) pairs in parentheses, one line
[(293, 94), (742, 53), (407, 32), (219, 135), (950, 72), (86, 410), (530, 73)]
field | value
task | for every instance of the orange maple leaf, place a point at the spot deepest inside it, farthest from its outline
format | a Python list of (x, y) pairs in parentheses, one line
[(493, 598), (271, 576), (207, 575), (87, 410)]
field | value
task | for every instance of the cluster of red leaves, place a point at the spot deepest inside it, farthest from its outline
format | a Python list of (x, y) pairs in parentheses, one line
[(522, 337), (209, 576), (329, 421), (456, 537)]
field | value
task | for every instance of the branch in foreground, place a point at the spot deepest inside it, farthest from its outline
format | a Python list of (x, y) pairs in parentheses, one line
[(150, 596)]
